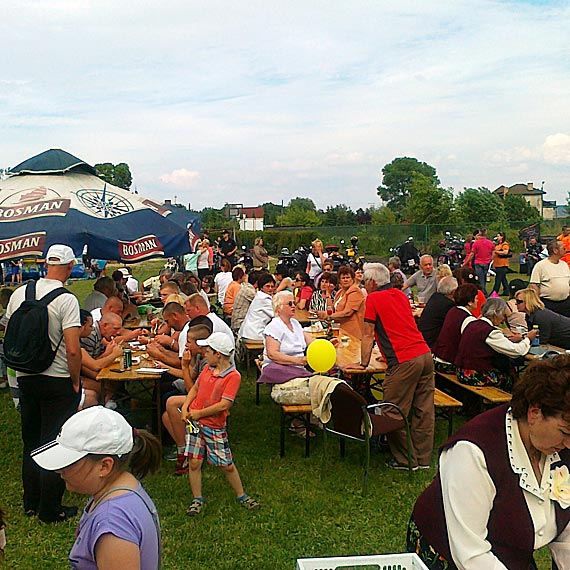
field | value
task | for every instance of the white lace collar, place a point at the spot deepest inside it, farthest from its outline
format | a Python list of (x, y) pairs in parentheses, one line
[(520, 461)]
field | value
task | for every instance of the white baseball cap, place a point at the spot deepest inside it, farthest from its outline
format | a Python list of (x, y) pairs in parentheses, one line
[(95, 430), (59, 254), (219, 342), (125, 271)]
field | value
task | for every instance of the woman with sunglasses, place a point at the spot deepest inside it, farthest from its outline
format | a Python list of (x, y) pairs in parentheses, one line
[(303, 290), (349, 303), (553, 328), (284, 339)]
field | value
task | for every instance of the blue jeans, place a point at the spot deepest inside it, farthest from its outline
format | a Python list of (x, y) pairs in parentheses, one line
[(481, 270)]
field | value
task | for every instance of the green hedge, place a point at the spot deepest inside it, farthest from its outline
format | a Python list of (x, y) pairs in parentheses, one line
[(376, 240)]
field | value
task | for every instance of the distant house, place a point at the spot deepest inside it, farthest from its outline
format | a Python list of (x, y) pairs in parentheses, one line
[(534, 196), (251, 219), (549, 209)]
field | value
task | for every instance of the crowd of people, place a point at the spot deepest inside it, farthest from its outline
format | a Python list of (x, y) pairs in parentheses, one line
[(433, 320)]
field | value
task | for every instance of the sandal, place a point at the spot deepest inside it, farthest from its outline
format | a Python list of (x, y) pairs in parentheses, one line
[(195, 507), (248, 503)]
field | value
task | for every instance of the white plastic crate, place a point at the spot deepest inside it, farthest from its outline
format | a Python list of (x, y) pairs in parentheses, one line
[(376, 562)]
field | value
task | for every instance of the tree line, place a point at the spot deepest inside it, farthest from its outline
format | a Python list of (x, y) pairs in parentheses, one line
[(410, 192)]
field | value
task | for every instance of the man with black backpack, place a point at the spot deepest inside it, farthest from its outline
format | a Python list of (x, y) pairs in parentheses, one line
[(42, 345)]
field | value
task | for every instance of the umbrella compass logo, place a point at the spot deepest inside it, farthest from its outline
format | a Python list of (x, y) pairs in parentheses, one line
[(104, 204)]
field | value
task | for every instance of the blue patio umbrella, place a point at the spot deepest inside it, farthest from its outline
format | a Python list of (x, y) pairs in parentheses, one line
[(55, 197)]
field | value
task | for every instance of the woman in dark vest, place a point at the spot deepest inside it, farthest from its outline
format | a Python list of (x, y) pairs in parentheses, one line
[(503, 485), (445, 348), (484, 350)]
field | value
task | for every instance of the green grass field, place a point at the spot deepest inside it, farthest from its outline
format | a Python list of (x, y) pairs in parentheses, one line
[(302, 515)]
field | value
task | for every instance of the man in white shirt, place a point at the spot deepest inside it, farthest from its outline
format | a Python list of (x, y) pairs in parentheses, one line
[(48, 399), (195, 306), (551, 279)]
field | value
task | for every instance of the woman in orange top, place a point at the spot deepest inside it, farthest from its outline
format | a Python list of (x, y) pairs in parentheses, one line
[(501, 264), (348, 304), (238, 277)]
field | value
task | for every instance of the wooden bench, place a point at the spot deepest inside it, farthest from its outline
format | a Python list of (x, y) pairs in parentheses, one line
[(486, 395), (252, 349), (445, 406), (300, 412)]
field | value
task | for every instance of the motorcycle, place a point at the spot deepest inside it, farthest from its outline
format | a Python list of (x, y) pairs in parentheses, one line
[(245, 259), (297, 261), (354, 260), (409, 256), (451, 251), (337, 258)]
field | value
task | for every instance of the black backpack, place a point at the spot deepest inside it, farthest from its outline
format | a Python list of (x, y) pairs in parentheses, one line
[(27, 347)]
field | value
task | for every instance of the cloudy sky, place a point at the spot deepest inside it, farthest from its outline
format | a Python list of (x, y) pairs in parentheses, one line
[(213, 102)]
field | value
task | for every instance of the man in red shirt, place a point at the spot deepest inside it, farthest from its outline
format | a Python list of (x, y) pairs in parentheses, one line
[(481, 254), (409, 378)]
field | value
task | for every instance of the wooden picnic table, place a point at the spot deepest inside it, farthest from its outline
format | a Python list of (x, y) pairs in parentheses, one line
[(302, 316), (530, 356), (112, 374), (349, 355)]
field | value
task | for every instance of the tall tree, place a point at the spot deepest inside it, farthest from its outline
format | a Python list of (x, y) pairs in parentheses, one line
[(517, 209), (270, 213), (118, 175), (383, 216), (396, 179), (428, 203), (476, 205), (296, 216), (340, 215), (212, 218), (363, 216), (303, 203)]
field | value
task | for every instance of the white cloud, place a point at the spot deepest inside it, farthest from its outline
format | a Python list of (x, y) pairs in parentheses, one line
[(556, 149), (182, 177)]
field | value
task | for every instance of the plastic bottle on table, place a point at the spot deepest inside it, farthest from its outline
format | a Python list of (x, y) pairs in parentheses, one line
[(536, 340)]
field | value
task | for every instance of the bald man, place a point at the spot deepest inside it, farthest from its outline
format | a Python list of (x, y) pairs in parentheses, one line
[(108, 328)]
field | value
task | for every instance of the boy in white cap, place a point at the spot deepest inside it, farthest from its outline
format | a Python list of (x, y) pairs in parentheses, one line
[(206, 410)]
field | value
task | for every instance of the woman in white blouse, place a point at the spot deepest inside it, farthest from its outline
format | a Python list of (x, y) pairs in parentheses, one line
[(284, 338), (503, 487), (260, 311)]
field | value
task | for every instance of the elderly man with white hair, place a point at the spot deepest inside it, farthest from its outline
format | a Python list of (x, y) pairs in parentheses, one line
[(434, 313), (424, 279), (409, 379)]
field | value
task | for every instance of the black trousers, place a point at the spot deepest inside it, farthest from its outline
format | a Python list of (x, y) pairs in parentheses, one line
[(46, 403)]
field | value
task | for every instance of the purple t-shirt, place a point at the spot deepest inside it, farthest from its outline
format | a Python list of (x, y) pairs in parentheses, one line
[(483, 251), (124, 516)]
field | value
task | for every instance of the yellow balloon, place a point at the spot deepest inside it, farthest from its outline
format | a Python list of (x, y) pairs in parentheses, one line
[(321, 355)]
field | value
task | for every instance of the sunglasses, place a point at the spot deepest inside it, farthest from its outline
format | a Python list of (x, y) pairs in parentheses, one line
[(290, 303), (519, 301)]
